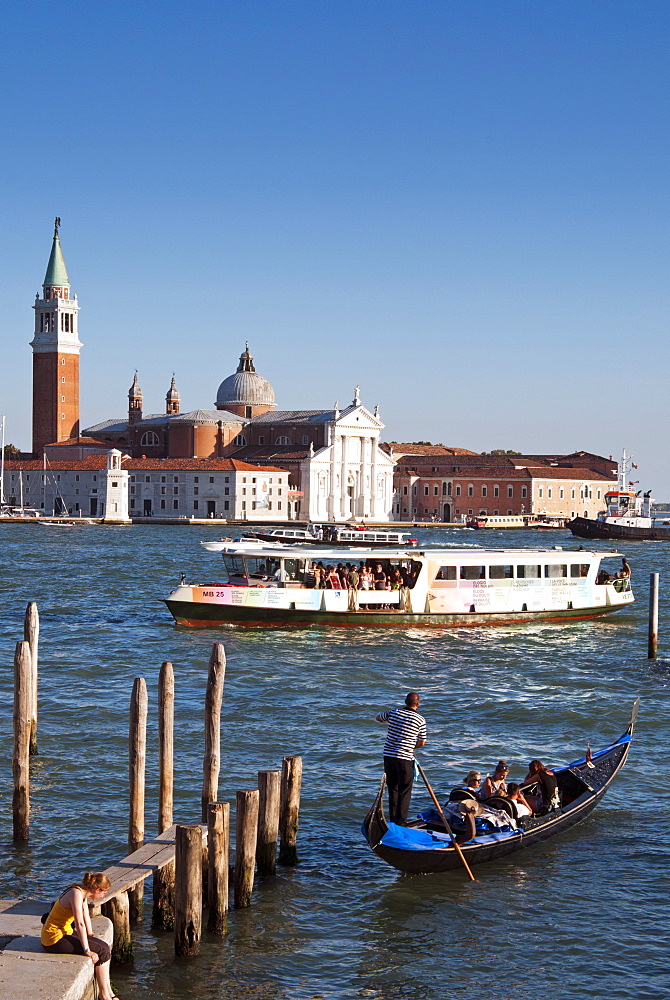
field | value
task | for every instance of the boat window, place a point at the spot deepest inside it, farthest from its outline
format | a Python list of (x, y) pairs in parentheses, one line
[(579, 569), (294, 569), (446, 573), (473, 572), (501, 572), (528, 572), (555, 570), (234, 565)]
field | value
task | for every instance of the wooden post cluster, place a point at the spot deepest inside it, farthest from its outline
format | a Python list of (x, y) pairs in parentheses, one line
[(137, 759), (213, 698), (291, 780), (163, 882), (652, 652), (31, 635), (23, 688)]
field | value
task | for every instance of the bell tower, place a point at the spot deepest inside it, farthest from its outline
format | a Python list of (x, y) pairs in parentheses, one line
[(55, 356)]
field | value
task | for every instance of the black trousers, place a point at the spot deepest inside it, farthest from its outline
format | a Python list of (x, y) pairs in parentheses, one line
[(399, 778)]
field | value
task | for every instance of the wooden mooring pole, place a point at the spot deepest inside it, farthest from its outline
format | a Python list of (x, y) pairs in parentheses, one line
[(31, 634), (118, 911), (23, 681), (218, 849), (137, 759), (188, 890), (291, 780), (213, 698), (246, 827), (653, 616), (163, 879), (268, 821)]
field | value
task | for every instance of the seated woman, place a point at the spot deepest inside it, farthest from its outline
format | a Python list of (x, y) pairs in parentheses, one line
[(523, 807), (472, 782), (67, 928), (544, 796), (495, 784)]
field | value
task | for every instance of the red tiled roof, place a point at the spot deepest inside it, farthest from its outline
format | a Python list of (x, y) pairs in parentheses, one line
[(196, 465), (73, 442), (96, 463), (423, 449)]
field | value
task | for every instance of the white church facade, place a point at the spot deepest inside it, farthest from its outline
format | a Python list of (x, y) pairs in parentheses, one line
[(349, 478)]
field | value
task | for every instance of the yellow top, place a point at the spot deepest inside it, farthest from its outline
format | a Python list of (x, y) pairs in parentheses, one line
[(59, 923)]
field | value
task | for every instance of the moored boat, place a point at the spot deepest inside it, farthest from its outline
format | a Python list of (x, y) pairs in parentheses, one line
[(627, 515), (425, 847), (335, 535), (274, 584)]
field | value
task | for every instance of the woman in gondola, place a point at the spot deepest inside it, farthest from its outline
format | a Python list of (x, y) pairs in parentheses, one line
[(496, 783), (545, 794)]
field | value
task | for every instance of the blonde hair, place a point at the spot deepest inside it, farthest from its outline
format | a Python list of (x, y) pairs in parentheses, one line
[(95, 882)]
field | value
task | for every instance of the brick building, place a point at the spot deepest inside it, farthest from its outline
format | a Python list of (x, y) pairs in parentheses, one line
[(451, 488)]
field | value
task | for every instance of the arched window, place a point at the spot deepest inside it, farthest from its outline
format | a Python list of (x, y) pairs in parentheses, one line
[(240, 440), (282, 439), (149, 439)]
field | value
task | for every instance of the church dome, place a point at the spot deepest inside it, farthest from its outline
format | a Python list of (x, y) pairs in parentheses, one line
[(246, 388)]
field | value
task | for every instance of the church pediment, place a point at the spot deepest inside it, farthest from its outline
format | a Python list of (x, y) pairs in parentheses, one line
[(356, 419)]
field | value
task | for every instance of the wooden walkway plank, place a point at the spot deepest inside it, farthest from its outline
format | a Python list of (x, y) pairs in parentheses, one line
[(144, 862)]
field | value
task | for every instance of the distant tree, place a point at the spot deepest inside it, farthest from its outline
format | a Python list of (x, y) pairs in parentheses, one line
[(501, 451), (11, 449)]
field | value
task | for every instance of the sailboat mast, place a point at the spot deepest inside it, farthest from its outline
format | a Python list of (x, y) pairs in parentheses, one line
[(2, 465)]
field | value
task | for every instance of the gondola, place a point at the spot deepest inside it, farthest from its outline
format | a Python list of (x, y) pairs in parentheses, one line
[(425, 847)]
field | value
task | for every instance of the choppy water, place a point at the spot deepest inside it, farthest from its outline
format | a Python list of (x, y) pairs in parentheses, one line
[(581, 916)]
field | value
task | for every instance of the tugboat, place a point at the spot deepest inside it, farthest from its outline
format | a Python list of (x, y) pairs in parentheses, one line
[(628, 515)]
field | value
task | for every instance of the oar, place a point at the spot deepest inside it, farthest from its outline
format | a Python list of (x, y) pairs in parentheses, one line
[(444, 820)]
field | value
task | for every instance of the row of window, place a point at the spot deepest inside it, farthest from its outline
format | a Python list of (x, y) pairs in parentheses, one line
[(446, 491), (196, 505), (533, 571)]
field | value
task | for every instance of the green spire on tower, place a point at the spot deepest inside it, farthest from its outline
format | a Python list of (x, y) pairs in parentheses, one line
[(56, 272)]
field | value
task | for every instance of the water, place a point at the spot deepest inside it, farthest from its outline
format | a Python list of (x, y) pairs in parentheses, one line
[(580, 916)]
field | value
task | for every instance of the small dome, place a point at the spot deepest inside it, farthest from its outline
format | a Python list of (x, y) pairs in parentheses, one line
[(246, 387)]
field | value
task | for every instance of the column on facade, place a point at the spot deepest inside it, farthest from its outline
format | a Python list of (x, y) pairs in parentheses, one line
[(344, 479), (333, 474), (364, 502), (373, 478)]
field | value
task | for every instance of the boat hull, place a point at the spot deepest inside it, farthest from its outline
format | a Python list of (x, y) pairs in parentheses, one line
[(201, 615), (585, 527)]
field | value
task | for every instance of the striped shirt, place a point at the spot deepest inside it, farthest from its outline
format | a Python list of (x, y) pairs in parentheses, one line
[(406, 726)]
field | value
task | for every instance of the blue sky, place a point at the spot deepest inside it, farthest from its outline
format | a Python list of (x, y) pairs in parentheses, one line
[(460, 206)]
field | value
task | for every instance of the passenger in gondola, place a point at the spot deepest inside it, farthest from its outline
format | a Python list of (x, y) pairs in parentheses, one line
[(603, 577), (544, 796), (472, 782), (496, 783), (514, 793)]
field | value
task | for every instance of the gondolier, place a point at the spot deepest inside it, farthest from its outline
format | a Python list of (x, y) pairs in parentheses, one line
[(406, 732)]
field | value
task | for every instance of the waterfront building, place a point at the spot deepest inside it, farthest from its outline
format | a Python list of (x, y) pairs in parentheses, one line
[(56, 349), (453, 488), (115, 487)]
